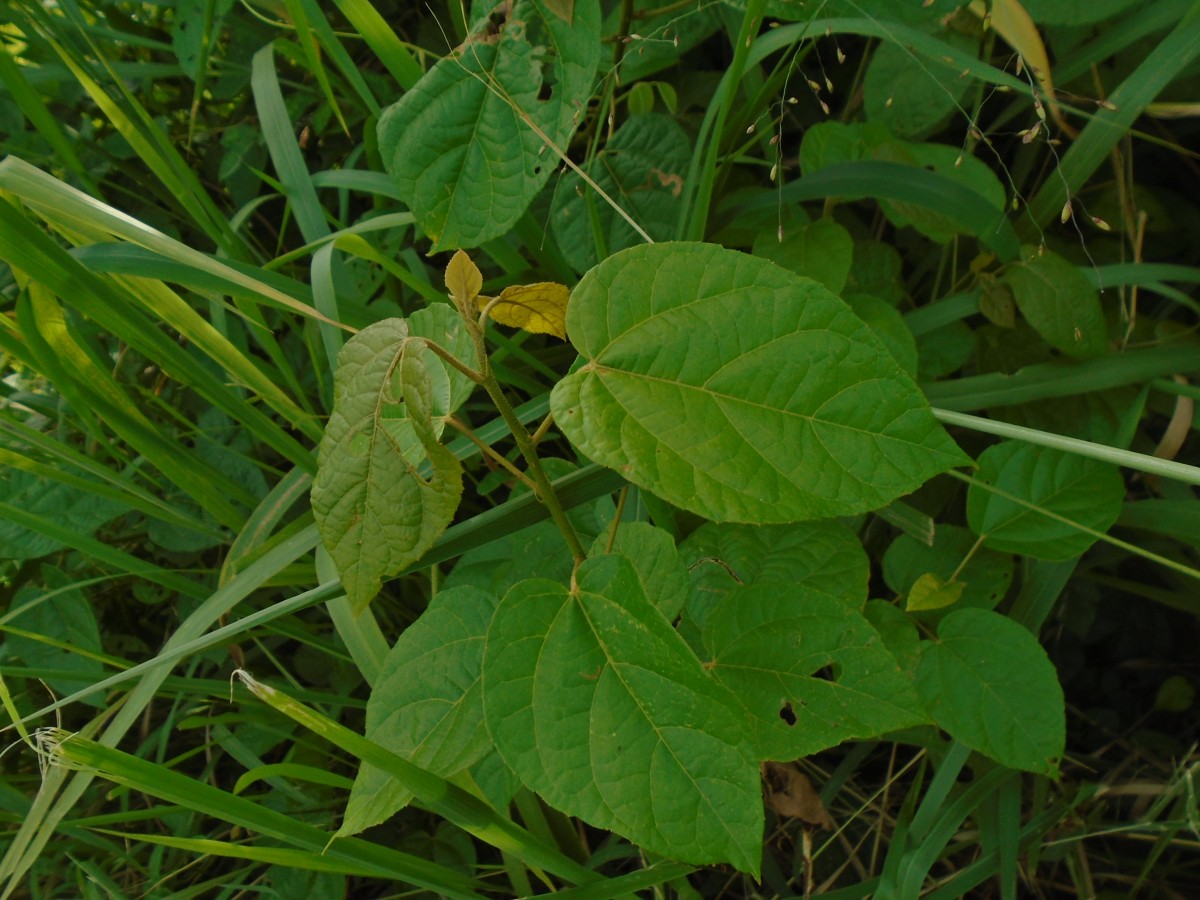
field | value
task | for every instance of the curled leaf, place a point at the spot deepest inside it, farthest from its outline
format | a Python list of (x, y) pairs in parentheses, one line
[(540, 308)]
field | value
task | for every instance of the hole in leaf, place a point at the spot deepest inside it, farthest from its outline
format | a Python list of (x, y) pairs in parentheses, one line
[(826, 673), (785, 713)]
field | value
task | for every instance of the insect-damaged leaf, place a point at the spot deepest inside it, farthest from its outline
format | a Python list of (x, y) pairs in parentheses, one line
[(771, 644), (386, 487), (598, 705), (740, 391), (473, 141)]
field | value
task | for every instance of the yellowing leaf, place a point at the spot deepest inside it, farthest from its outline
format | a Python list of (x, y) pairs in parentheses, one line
[(931, 592), (540, 308), (564, 9), (463, 279), (1010, 20)]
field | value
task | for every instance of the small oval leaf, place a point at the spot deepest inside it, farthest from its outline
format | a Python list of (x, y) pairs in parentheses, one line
[(1080, 490), (988, 682)]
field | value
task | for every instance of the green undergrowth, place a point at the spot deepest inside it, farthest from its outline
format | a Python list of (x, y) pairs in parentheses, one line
[(737, 448)]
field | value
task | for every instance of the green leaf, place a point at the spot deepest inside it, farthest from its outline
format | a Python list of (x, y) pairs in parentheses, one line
[(426, 704), (771, 644), (944, 350), (898, 631), (651, 551), (442, 323), (812, 556), (49, 615), (740, 391), (642, 170), (598, 705), (912, 94), (1074, 12), (987, 574), (468, 144), (1085, 491), (987, 681), (821, 250), (950, 162), (888, 325), (828, 144), (377, 508), (69, 506), (188, 37), (1059, 302)]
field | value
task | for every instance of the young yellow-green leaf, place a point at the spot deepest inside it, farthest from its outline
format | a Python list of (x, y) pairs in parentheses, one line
[(769, 643), (380, 501), (1079, 489), (540, 308), (740, 391), (598, 705), (930, 591), (1059, 302), (464, 281), (426, 704), (468, 144), (985, 578), (987, 681)]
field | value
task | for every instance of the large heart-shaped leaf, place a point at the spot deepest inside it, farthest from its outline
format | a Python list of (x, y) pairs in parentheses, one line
[(740, 391), (598, 705), (385, 487), (468, 144)]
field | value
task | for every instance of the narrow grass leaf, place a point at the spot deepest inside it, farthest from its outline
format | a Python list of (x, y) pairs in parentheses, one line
[(158, 781)]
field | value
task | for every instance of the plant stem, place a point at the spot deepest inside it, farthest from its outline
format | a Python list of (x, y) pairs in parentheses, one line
[(545, 490), (488, 451), (542, 486)]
